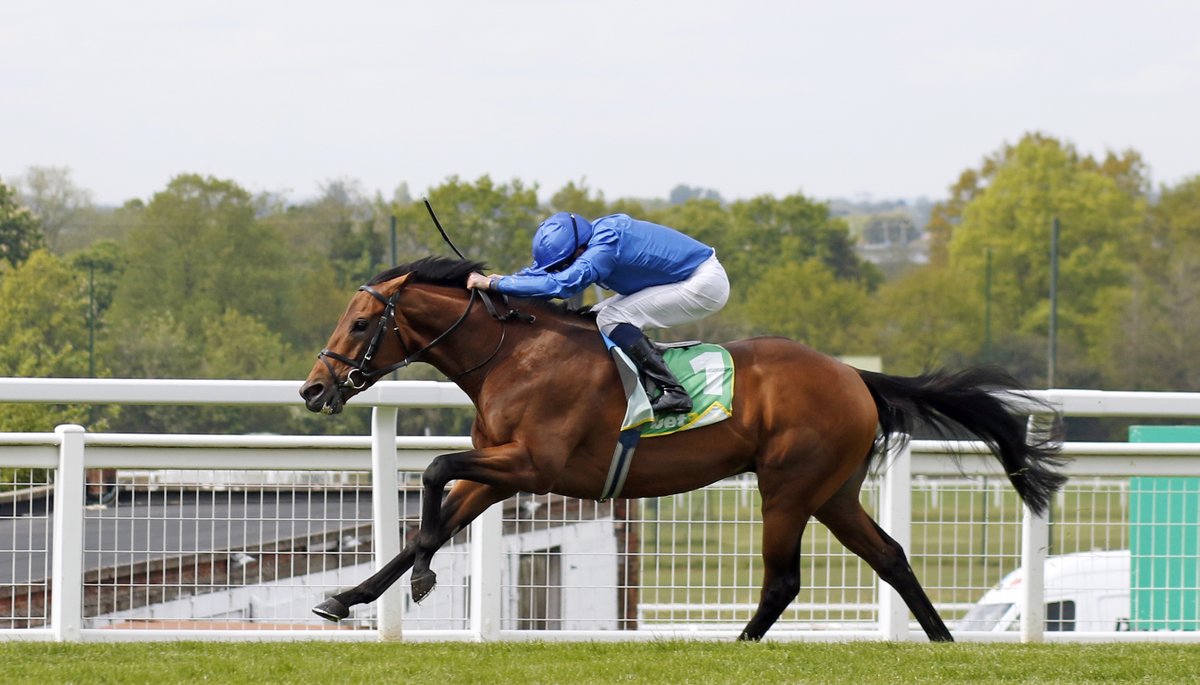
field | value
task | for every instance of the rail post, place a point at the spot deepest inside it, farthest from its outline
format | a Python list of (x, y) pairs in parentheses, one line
[(1035, 545), (1035, 540), (385, 510), (66, 584), (895, 504), (487, 530)]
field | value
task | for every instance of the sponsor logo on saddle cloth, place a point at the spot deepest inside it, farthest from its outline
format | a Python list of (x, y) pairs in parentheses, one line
[(704, 370)]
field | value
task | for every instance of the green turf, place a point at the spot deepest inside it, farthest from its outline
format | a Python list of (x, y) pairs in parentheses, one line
[(654, 662)]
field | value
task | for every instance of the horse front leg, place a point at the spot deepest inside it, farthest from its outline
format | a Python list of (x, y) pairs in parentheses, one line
[(466, 501), (505, 467)]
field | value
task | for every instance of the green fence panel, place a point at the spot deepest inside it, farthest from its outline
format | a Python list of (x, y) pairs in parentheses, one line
[(1164, 539)]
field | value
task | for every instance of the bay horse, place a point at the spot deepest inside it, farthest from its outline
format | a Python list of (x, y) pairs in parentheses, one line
[(549, 408)]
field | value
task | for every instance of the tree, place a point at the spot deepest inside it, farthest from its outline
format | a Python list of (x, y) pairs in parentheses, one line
[(578, 199), (241, 346), (330, 246), (232, 345), (794, 228), (489, 222), (350, 230), (43, 307), (1155, 331), (20, 233), (199, 252), (1175, 222), (44, 318), (103, 263), (927, 320), (808, 303), (683, 193), (58, 203), (704, 220), (1027, 187)]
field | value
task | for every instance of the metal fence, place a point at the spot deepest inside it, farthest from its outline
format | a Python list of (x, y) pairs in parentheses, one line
[(236, 537)]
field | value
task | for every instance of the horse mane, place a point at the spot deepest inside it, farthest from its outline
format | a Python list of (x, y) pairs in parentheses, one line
[(434, 270), (453, 272)]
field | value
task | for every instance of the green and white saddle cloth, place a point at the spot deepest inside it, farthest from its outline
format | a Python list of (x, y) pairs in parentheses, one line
[(704, 370)]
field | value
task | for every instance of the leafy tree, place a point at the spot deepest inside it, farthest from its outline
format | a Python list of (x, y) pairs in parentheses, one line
[(1013, 202), (488, 222), (947, 215), (161, 348), (704, 220), (1175, 222), (628, 206), (199, 252), (1127, 169), (232, 345), (350, 229), (62, 207), (330, 246), (20, 233), (240, 346), (45, 327), (103, 262), (927, 320), (1155, 332), (766, 245), (578, 199), (102, 224), (807, 302), (767, 232), (44, 335), (683, 193)]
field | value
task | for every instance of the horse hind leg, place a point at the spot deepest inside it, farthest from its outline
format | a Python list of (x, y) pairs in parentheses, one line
[(854, 528), (783, 528)]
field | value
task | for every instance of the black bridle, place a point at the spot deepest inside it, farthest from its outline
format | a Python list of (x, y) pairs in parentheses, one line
[(361, 374)]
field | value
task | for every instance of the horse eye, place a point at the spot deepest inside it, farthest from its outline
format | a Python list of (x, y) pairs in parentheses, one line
[(359, 326)]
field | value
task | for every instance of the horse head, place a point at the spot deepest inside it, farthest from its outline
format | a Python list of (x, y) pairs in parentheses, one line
[(362, 349), (376, 336)]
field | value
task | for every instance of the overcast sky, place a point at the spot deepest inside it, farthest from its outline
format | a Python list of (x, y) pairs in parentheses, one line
[(829, 98)]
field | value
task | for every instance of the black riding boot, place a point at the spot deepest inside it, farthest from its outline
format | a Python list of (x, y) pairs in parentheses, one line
[(673, 399)]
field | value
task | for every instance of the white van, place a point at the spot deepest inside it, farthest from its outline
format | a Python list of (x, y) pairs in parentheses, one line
[(1086, 592)]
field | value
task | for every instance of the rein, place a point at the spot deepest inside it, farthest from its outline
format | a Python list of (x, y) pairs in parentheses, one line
[(361, 375)]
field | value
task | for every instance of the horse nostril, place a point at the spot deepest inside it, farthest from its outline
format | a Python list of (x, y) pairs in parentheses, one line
[(312, 391)]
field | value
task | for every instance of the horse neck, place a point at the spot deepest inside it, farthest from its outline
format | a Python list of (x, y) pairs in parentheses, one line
[(429, 311), (436, 309)]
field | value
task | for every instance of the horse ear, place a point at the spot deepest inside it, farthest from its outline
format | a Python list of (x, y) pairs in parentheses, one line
[(388, 288)]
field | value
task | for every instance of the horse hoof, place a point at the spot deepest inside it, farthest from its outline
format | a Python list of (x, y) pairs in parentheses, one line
[(422, 585), (331, 610)]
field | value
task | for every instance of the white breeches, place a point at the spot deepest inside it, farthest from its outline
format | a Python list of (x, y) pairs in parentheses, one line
[(662, 306)]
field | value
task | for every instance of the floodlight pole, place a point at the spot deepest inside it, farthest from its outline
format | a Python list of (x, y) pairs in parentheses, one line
[(1052, 356)]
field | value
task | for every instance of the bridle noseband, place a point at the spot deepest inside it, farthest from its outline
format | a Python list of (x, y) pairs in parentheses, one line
[(361, 374)]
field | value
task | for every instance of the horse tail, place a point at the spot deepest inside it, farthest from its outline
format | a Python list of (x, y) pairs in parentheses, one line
[(985, 402)]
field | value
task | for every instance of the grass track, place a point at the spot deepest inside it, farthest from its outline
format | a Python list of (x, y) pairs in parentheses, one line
[(655, 662)]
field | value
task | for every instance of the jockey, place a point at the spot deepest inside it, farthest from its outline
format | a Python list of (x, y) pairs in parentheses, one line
[(661, 276)]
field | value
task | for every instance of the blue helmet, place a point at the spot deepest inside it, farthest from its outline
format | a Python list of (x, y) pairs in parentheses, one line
[(557, 239)]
